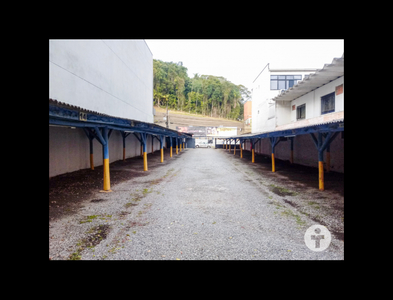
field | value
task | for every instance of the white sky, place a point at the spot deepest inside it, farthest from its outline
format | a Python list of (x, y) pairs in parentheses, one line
[(240, 61)]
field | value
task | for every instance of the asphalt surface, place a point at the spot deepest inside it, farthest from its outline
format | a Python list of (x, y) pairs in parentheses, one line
[(203, 204)]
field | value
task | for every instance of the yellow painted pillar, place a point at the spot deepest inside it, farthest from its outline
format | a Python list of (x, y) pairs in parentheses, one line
[(171, 152), (253, 155), (107, 180), (273, 164), (180, 147), (144, 145), (144, 161), (229, 148), (162, 154), (105, 148), (234, 150), (321, 179), (241, 151)]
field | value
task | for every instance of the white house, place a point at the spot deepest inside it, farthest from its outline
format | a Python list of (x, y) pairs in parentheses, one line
[(318, 98), (268, 84)]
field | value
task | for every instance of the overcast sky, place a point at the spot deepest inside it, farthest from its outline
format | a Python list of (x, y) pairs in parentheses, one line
[(240, 61)]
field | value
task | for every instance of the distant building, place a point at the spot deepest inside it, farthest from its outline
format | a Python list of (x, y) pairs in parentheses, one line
[(248, 112)]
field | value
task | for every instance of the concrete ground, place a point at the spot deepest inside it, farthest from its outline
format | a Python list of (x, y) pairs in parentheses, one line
[(204, 204)]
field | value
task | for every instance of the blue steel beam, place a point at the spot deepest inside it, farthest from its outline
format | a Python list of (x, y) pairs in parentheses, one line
[(323, 128), (70, 117), (100, 138)]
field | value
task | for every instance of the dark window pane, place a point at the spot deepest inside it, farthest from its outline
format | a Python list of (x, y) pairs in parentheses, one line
[(328, 103)]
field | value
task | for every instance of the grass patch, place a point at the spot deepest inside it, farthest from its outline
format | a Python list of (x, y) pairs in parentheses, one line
[(281, 191), (127, 205), (89, 219), (289, 213), (147, 191), (96, 235), (314, 204)]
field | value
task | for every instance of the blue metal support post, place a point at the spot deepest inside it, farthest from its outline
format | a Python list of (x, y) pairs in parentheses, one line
[(124, 135), (162, 138), (170, 144), (90, 135), (274, 141), (144, 142), (104, 140), (321, 146)]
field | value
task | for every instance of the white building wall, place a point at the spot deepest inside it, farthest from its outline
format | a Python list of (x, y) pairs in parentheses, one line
[(313, 101), (264, 110), (113, 77)]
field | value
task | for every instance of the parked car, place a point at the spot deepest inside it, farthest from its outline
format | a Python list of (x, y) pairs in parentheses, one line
[(203, 145)]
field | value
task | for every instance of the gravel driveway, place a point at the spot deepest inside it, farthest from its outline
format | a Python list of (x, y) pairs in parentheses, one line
[(203, 204)]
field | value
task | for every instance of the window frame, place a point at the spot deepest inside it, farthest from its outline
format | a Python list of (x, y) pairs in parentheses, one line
[(298, 111), (328, 97), (278, 78)]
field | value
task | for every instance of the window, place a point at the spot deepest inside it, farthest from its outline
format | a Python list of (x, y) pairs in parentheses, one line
[(283, 82), (327, 103), (301, 112)]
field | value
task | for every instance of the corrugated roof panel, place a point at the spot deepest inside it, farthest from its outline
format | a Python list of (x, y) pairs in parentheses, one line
[(310, 82), (57, 103)]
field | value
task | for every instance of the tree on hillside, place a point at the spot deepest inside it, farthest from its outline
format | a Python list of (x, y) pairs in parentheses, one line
[(205, 94)]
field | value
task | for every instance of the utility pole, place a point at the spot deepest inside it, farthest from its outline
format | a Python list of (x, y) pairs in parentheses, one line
[(167, 116)]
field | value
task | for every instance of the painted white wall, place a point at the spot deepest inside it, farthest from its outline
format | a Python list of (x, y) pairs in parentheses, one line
[(261, 95), (313, 102), (69, 149), (113, 77)]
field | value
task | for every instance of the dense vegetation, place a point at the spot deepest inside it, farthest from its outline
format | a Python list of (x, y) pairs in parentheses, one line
[(204, 94)]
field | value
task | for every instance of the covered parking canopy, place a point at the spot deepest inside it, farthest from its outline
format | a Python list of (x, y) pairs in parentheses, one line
[(322, 135), (323, 129), (100, 127)]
